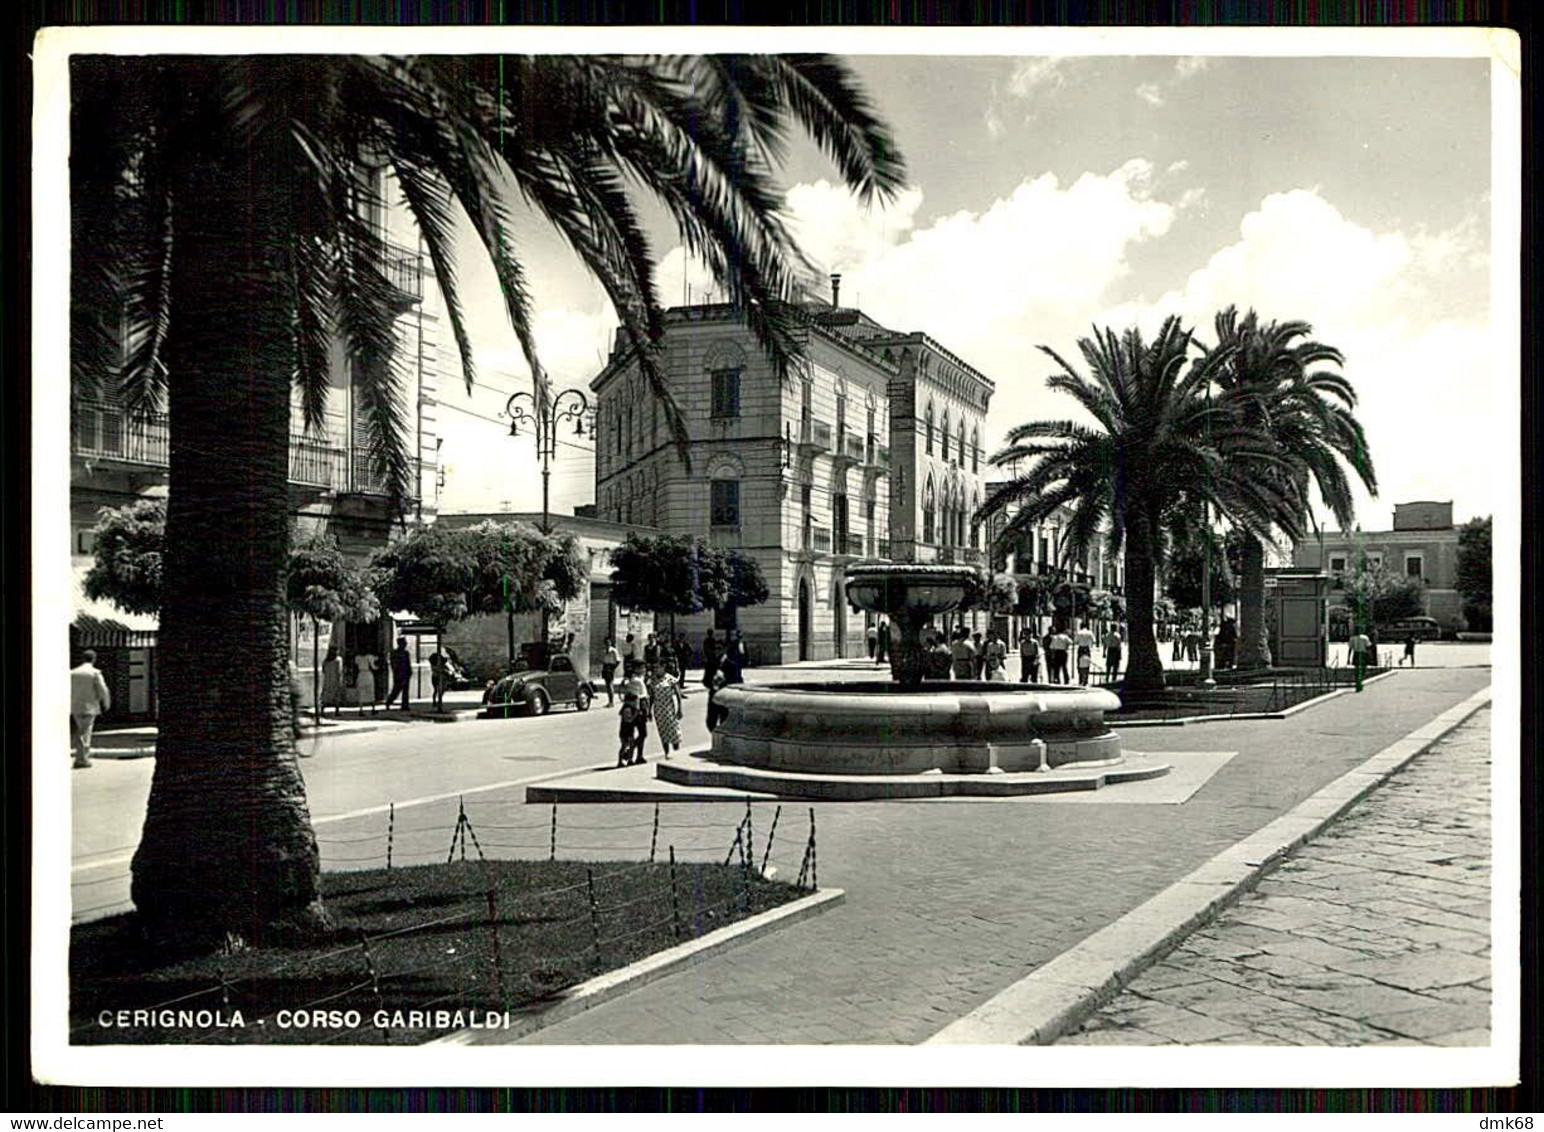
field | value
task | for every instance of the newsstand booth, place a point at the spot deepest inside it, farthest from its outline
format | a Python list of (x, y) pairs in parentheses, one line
[(1297, 616)]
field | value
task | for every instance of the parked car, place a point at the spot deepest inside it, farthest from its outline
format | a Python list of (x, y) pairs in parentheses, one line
[(1421, 628), (539, 682)]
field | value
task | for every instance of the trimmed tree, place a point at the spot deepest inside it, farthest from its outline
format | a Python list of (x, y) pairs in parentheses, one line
[(126, 566), (1474, 573), (1378, 596), (660, 574), (746, 585)]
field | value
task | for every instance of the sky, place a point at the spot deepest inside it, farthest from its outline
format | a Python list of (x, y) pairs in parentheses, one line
[(1047, 195)]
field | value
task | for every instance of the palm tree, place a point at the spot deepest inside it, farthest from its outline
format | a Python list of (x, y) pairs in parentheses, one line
[(214, 206), (1269, 375), (1156, 440)]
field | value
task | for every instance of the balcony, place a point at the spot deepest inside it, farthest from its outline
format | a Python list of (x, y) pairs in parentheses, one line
[(814, 436), (849, 545), (814, 538), (105, 433), (365, 478), (884, 548), (315, 464), (960, 556), (404, 270), (848, 448)]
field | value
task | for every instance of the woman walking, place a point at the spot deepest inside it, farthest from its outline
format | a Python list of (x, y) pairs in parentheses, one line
[(665, 696)]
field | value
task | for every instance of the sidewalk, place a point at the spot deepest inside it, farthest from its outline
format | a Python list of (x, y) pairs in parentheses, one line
[(1378, 932), (950, 903)]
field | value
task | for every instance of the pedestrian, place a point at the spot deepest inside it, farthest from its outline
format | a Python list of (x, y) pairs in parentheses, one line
[(650, 652), (1193, 644), (439, 677), (1114, 646), (1029, 659), (627, 729), (401, 674), (710, 658), (873, 643), (89, 698), (980, 657), (683, 651), (1226, 642), (630, 657), (736, 660), (939, 659), (1409, 650), (1056, 656), (963, 654), (610, 661), (635, 694), (716, 712), (884, 641), (665, 696), (1179, 646), (1361, 649), (1084, 640), (994, 659)]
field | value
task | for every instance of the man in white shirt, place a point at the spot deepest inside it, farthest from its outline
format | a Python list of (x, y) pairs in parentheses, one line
[(89, 697)]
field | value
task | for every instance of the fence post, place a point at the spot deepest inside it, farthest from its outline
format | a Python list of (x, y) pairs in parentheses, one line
[(466, 828), (675, 902), (493, 928), (750, 838), (738, 846), (391, 826), (771, 834), (454, 838), (814, 856), (554, 853), (375, 984), (589, 878), (654, 837), (461, 802)]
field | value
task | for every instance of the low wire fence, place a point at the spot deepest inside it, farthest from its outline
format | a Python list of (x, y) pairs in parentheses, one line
[(527, 926), (1240, 694)]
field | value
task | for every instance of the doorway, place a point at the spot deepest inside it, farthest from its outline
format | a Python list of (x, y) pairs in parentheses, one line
[(805, 617)]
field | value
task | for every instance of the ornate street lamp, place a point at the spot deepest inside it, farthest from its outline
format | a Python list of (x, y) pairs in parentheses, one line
[(568, 405)]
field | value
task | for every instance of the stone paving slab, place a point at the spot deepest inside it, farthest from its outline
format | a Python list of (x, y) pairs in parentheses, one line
[(1376, 933), (948, 904)]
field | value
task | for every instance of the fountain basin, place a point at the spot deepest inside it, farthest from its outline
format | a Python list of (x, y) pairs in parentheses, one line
[(879, 728)]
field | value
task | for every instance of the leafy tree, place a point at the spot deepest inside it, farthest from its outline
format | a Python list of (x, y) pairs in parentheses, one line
[(1182, 574), (992, 592), (325, 586), (172, 230), (1156, 438), (431, 573), (657, 574), (1378, 596), (1271, 378), (126, 569), (747, 583), (1474, 573)]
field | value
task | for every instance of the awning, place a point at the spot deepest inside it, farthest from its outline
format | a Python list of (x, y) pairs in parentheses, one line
[(101, 624)]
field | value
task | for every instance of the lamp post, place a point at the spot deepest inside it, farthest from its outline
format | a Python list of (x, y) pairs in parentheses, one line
[(522, 408), (1208, 681)]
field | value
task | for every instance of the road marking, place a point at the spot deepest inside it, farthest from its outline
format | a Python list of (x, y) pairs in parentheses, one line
[(122, 858)]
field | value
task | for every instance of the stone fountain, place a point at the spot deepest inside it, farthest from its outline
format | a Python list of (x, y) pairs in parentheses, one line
[(908, 737)]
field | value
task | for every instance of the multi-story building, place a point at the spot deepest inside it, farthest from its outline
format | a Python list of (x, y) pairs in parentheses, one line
[(871, 451), (1423, 544), (333, 486)]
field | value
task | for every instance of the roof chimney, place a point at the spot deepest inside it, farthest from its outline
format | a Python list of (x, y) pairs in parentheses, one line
[(836, 289)]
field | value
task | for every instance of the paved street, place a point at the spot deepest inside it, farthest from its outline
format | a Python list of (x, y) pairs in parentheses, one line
[(948, 902), (1376, 933)]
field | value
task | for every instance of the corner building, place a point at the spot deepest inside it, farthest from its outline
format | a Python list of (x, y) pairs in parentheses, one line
[(872, 450)]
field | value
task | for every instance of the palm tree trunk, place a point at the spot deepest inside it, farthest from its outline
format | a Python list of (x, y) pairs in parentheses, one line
[(316, 671), (1254, 647), (1144, 670), (227, 847)]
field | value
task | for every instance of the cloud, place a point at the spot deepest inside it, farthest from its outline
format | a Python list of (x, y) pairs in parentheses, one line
[(1038, 75), (1188, 65), (1417, 347), (1150, 94)]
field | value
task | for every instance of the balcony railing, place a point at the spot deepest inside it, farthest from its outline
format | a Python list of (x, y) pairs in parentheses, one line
[(365, 478), (852, 447), (820, 539), (106, 432), (314, 463), (850, 545), (815, 434), (884, 548), (404, 270)]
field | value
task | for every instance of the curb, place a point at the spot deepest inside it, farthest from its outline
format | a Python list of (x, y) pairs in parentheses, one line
[(603, 988), (1059, 996), (1284, 713)]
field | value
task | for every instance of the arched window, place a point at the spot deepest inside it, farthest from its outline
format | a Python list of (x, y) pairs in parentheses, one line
[(975, 529), (975, 448), (930, 429), (960, 448), (929, 504), (946, 436)]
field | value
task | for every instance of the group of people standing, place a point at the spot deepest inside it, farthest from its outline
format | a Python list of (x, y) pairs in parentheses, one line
[(1064, 651), (651, 686), (1187, 644)]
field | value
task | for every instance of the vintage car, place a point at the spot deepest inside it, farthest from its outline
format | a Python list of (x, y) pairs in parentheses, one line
[(1421, 628), (539, 682)]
